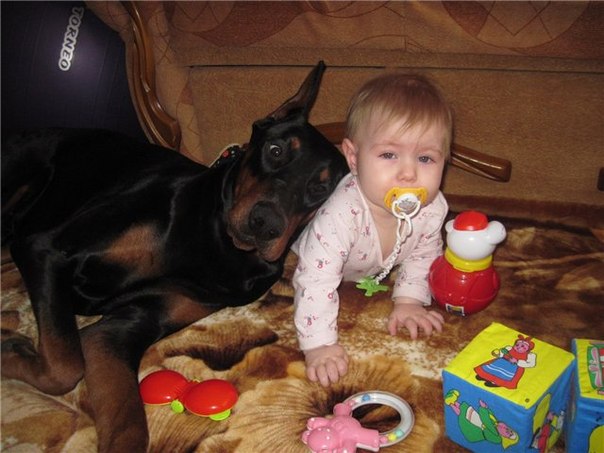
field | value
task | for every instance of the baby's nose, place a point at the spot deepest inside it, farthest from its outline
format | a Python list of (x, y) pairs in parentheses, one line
[(407, 172)]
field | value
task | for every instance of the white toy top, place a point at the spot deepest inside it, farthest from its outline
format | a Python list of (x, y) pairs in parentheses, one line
[(471, 237)]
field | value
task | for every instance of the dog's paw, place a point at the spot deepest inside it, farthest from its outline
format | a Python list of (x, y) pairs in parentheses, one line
[(18, 355), (18, 345)]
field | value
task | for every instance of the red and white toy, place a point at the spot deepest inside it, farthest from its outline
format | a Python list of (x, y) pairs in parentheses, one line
[(463, 281)]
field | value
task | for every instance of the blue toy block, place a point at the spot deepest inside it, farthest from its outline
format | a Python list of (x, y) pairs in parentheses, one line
[(584, 430), (506, 392)]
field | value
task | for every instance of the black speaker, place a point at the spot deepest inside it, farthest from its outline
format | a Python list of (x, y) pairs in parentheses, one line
[(63, 67)]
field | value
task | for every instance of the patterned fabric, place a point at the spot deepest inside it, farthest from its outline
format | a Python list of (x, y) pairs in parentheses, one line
[(552, 289), (216, 70)]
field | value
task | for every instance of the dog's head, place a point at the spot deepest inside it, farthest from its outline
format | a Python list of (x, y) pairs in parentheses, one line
[(288, 170)]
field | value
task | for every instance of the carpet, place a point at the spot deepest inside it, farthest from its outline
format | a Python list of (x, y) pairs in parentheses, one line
[(552, 289)]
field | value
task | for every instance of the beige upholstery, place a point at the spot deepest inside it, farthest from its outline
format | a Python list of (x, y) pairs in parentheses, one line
[(526, 79)]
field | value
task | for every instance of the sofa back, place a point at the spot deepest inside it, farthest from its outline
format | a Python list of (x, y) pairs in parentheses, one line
[(526, 79)]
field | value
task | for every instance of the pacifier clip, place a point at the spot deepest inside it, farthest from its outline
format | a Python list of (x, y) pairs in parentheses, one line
[(404, 203)]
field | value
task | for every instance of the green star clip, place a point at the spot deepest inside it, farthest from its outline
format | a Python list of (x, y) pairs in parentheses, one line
[(370, 286)]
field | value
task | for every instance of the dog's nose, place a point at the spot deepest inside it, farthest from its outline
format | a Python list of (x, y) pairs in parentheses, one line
[(266, 222)]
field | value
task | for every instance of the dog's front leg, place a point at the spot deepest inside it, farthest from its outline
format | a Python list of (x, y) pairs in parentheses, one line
[(57, 365), (113, 348), (112, 353), (114, 397)]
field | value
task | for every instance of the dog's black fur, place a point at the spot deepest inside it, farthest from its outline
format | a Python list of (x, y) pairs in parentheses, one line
[(100, 224)]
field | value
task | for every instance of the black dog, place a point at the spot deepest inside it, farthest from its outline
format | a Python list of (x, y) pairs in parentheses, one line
[(103, 225)]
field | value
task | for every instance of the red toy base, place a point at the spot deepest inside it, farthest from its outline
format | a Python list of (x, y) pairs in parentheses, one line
[(462, 293)]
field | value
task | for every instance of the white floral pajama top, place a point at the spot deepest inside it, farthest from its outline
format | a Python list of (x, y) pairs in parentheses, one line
[(341, 244)]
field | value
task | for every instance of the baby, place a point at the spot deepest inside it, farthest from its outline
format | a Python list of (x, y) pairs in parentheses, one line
[(399, 132)]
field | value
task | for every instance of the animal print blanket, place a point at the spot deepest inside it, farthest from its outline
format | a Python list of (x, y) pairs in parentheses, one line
[(552, 289)]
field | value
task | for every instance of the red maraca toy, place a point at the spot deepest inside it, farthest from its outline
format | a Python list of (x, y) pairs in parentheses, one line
[(464, 281), (213, 398)]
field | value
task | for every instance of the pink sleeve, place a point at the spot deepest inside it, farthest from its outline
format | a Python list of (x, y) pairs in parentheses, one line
[(321, 257)]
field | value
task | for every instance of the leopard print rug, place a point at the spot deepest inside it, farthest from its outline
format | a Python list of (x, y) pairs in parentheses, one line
[(552, 289)]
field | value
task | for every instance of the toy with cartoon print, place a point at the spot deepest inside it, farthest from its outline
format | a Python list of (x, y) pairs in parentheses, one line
[(212, 398), (463, 280), (584, 420), (506, 391), (342, 433)]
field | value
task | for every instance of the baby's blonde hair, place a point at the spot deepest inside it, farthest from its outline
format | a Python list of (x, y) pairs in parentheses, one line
[(394, 97)]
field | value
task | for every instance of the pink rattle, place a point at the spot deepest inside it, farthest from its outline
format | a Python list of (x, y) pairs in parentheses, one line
[(342, 433)]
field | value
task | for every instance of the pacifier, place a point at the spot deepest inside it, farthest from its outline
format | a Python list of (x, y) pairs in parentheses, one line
[(405, 201)]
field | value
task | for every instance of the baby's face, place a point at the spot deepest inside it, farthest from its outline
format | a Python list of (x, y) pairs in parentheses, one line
[(388, 156)]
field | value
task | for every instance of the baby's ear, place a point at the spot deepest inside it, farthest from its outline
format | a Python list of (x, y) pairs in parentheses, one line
[(350, 153)]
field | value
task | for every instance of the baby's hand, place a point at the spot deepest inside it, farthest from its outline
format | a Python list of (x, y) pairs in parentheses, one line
[(411, 314), (326, 364)]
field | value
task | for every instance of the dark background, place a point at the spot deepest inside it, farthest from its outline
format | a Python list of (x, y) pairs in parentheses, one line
[(36, 93)]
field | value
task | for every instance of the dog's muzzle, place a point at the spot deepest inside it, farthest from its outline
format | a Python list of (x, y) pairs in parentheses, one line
[(266, 222), (264, 228)]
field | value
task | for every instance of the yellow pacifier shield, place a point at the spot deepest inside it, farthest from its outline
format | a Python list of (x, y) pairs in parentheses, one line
[(396, 192)]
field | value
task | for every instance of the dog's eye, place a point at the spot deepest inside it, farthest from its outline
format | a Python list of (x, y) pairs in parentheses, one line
[(275, 150), (275, 155)]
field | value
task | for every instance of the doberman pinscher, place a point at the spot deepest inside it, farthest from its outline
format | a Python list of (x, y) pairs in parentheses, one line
[(100, 224)]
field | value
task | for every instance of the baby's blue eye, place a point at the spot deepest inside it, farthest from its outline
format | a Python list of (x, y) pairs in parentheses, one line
[(425, 159), (388, 155)]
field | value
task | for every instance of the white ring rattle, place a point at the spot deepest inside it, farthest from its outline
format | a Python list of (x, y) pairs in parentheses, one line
[(400, 431), (343, 432)]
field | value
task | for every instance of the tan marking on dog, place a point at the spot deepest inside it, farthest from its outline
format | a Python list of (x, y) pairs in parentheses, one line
[(248, 192), (185, 310), (324, 175), (246, 184), (136, 249), (277, 247), (14, 198)]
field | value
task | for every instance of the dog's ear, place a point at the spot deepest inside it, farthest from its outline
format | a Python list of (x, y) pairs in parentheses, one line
[(304, 99)]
